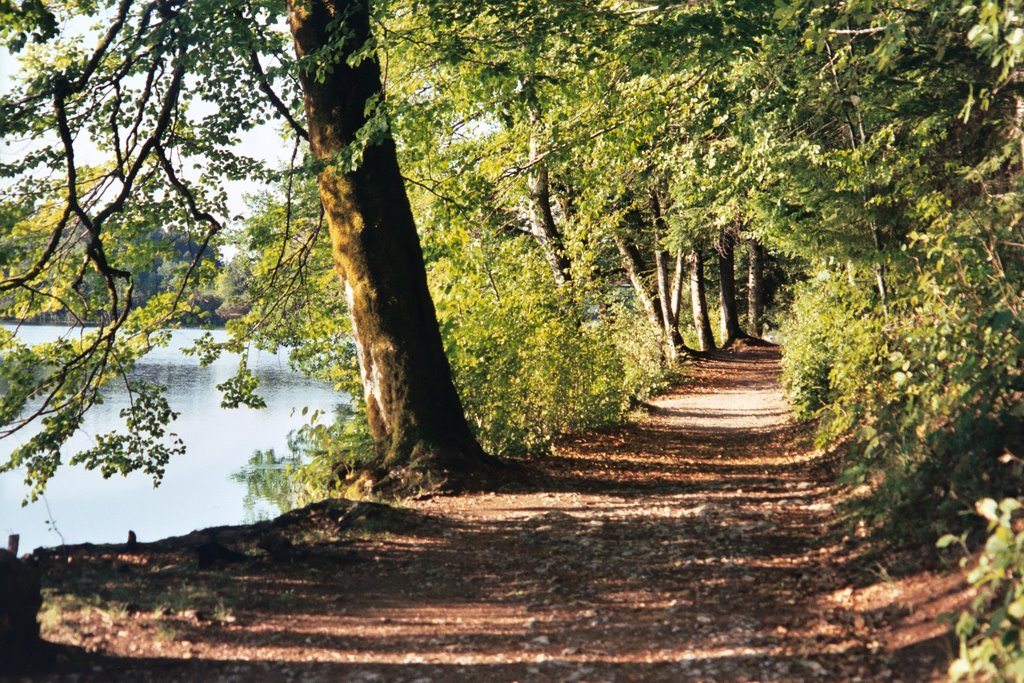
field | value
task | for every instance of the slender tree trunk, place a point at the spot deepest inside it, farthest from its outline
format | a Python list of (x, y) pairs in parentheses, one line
[(678, 277), (755, 288), (883, 289), (674, 344), (669, 312), (414, 412), (633, 264), (661, 259), (699, 303), (542, 218), (859, 138), (727, 288)]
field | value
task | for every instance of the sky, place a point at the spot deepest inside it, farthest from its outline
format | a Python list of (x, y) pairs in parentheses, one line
[(263, 142), (7, 67)]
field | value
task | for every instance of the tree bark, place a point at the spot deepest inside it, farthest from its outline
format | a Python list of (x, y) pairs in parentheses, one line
[(633, 264), (678, 275), (669, 292), (542, 218), (755, 288), (674, 344), (727, 288), (414, 412), (666, 293), (699, 303)]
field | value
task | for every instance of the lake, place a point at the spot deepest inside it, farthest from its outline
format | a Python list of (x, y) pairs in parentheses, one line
[(205, 487)]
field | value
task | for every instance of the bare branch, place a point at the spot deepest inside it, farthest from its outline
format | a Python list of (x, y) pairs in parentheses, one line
[(197, 213), (859, 31), (101, 49), (656, 8), (264, 84)]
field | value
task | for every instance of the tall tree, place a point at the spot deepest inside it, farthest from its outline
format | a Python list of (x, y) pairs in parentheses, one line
[(637, 273), (755, 288), (698, 301), (678, 280), (542, 215), (119, 145), (667, 288), (414, 413), (727, 288)]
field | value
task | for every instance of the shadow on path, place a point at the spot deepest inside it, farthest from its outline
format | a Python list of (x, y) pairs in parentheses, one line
[(693, 545)]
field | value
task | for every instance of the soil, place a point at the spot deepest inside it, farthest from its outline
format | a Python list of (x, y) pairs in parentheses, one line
[(701, 542)]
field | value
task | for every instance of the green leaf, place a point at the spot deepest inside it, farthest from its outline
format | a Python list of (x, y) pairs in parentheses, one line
[(987, 508), (946, 541)]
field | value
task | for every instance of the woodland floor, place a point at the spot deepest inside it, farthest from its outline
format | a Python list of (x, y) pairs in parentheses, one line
[(699, 543)]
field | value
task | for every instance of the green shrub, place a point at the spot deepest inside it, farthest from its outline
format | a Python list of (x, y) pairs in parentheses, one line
[(930, 390), (532, 360), (990, 629), (328, 450), (831, 339)]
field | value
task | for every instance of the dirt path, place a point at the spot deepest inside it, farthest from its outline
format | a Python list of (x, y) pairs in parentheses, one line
[(693, 545)]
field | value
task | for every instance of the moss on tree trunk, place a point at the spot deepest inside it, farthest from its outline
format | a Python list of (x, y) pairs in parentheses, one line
[(414, 412)]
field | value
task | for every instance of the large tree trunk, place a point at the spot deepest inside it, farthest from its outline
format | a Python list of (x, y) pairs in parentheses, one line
[(414, 412), (755, 288), (727, 288), (542, 218), (699, 302)]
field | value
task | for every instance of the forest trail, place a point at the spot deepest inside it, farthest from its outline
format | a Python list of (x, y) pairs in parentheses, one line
[(694, 544)]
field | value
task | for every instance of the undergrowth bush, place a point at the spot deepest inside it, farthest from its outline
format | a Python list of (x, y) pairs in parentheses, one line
[(328, 450), (990, 629), (831, 330), (532, 360), (932, 395)]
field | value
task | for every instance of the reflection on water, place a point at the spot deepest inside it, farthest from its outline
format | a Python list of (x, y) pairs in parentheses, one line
[(267, 476), (267, 480), (201, 489)]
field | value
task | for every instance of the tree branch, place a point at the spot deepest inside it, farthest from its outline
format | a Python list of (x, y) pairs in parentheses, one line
[(261, 77)]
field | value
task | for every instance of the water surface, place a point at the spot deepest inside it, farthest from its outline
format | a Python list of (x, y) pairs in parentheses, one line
[(201, 488)]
